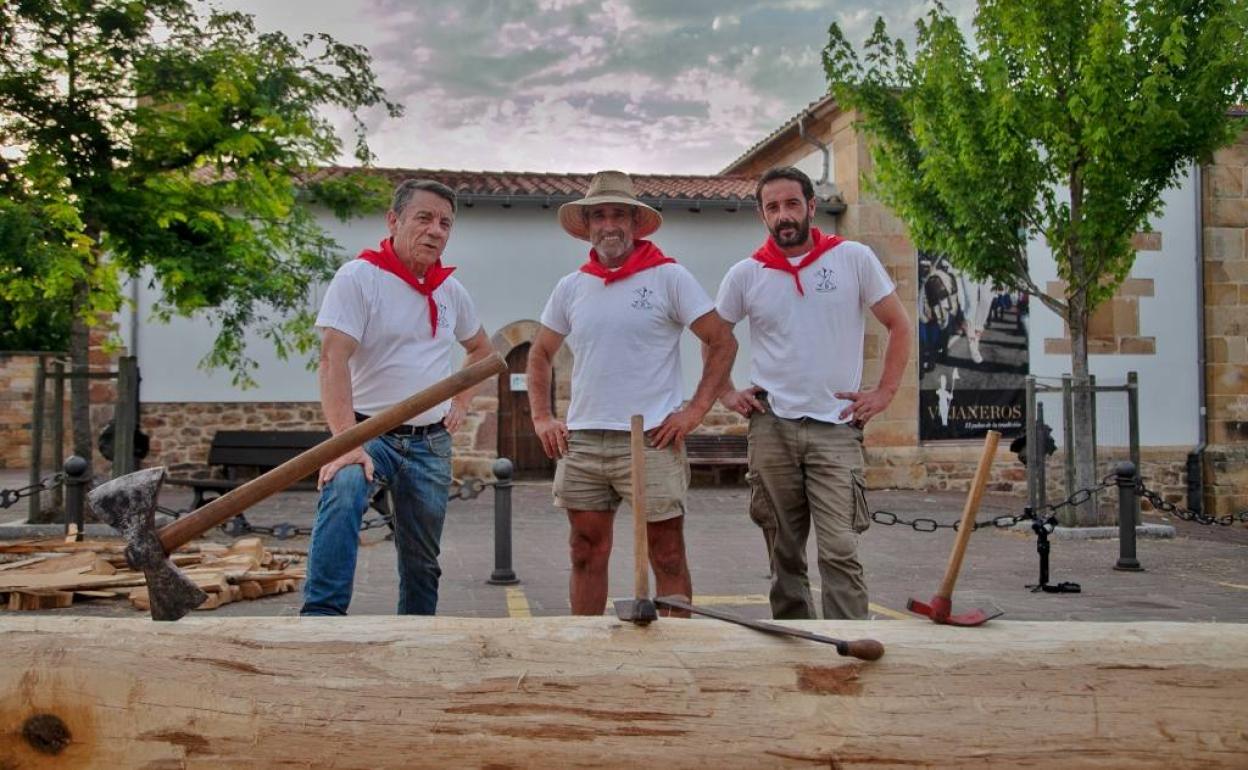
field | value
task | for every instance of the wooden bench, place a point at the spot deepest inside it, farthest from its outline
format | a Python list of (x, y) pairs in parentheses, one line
[(244, 454), (258, 451), (717, 452)]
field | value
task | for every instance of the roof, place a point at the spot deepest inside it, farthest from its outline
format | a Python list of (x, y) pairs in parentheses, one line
[(822, 105), (549, 188)]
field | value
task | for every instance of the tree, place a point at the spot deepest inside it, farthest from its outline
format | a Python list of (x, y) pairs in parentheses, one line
[(1066, 123), (146, 138)]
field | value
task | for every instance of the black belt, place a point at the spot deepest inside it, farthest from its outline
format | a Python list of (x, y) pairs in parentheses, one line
[(418, 431)]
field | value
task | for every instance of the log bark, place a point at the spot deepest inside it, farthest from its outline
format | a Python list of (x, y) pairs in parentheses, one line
[(382, 692)]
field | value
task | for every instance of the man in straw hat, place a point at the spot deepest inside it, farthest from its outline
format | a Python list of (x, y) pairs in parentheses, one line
[(806, 294), (623, 313)]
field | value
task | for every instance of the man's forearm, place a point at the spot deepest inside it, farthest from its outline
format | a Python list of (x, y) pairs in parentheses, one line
[(706, 358), (336, 401), (896, 356), (717, 358), (537, 376), (463, 398)]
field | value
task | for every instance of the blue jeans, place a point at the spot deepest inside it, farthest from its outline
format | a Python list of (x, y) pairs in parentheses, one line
[(417, 469)]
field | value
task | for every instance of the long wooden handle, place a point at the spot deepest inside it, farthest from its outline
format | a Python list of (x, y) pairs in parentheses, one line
[(641, 548), (968, 514), (239, 499)]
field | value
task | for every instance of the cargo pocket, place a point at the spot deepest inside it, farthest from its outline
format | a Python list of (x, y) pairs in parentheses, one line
[(762, 511), (862, 514)]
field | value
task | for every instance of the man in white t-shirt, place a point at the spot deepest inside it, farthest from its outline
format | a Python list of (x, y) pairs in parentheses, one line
[(806, 295), (623, 313), (388, 325)]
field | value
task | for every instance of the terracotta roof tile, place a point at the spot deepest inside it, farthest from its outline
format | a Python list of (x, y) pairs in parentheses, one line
[(563, 187)]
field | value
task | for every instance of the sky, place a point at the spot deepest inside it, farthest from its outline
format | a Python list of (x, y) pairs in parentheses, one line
[(648, 86)]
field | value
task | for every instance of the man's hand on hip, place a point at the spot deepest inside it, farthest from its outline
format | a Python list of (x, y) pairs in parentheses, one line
[(866, 404), (676, 426), (454, 417), (554, 436), (356, 456), (744, 402)]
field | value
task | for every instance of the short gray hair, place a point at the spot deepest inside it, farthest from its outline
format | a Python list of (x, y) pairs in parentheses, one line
[(408, 187)]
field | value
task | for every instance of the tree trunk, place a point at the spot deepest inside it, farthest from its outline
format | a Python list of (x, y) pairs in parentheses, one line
[(397, 692), (1083, 431), (80, 386)]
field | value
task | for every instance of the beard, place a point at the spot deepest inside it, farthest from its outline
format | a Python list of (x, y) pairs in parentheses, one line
[(613, 249), (797, 235)]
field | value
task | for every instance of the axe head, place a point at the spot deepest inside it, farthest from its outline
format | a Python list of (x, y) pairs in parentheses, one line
[(940, 611), (128, 503), (639, 611)]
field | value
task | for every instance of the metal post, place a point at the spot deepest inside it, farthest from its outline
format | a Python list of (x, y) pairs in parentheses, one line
[(1042, 461), (502, 574), (58, 426), (1125, 479), (36, 442), (1068, 434), (125, 416), (1096, 473), (76, 476), (1032, 433), (1133, 429)]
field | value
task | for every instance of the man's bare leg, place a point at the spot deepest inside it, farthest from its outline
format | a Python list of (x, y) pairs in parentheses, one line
[(590, 543), (667, 556)]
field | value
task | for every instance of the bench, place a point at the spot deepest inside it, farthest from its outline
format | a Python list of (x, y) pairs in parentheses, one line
[(717, 452), (258, 451)]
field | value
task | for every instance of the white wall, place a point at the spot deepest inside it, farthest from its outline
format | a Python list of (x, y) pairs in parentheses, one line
[(509, 259), (1169, 390)]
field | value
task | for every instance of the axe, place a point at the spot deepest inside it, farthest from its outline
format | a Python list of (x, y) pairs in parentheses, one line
[(129, 502)]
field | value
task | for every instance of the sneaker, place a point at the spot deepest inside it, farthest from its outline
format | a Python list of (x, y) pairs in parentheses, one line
[(976, 356)]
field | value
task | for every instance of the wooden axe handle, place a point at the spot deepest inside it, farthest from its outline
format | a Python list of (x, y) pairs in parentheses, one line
[(968, 514), (227, 506), (641, 547)]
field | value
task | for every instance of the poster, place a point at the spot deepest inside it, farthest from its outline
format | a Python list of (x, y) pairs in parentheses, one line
[(972, 354)]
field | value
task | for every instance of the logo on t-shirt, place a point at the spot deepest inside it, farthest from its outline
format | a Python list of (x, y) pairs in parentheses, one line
[(444, 316), (643, 298), (825, 279)]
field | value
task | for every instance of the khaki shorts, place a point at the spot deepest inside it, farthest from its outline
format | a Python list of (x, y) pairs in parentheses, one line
[(595, 475)]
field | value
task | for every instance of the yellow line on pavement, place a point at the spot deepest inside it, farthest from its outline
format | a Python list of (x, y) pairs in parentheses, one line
[(886, 612), (742, 599), (747, 599), (517, 603), (1234, 585)]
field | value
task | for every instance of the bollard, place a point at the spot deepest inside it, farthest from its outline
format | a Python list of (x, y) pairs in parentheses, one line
[(502, 574), (1124, 474), (76, 477)]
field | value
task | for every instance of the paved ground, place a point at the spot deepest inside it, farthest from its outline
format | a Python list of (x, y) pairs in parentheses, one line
[(1201, 575)]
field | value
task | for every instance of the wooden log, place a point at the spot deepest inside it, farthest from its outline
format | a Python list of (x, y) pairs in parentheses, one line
[(387, 692)]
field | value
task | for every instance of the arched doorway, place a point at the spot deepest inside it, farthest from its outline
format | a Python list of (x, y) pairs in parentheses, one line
[(516, 438)]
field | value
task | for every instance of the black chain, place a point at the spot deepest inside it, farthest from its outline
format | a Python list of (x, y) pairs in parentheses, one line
[(10, 497), (1161, 504), (1046, 515)]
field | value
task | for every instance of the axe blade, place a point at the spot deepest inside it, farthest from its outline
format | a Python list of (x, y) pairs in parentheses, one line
[(128, 503)]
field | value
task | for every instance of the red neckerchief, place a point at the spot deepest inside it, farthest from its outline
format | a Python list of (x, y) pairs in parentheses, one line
[(771, 255), (645, 256), (435, 274)]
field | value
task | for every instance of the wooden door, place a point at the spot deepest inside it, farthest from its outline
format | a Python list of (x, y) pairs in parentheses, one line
[(516, 439)]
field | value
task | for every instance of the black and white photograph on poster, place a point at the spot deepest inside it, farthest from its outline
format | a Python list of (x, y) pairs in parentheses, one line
[(972, 354)]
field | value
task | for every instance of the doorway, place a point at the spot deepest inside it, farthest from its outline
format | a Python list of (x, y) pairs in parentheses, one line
[(517, 440)]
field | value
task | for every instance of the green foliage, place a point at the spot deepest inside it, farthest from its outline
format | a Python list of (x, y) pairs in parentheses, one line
[(1066, 122), (173, 140)]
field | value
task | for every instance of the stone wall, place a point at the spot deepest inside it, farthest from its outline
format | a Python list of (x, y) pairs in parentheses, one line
[(1225, 208), (17, 395)]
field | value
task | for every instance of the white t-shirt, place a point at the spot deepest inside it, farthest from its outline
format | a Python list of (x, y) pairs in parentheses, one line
[(625, 342), (396, 356), (804, 348)]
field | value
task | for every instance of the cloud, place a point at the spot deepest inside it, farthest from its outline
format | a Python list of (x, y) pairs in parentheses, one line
[(577, 85)]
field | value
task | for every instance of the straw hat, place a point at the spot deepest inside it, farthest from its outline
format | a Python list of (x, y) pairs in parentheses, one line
[(608, 187)]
